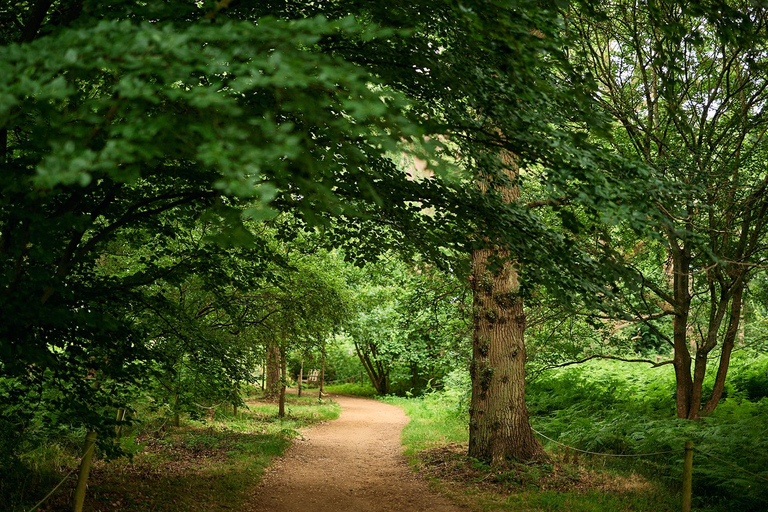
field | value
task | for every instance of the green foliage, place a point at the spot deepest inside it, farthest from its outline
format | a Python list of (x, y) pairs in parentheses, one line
[(621, 409), (411, 326)]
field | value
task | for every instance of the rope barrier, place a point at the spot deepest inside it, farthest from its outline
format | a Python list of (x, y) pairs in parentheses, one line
[(731, 464), (606, 454), (59, 484)]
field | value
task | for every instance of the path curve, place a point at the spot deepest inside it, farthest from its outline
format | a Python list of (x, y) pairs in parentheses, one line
[(354, 463)]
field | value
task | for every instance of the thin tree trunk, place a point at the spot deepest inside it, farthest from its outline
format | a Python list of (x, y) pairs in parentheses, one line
[(118, 420), (176, 416), (682, 355), (236, 399), (322, 370), (263, 373), (725, 356), (301, 375), (283, 381)]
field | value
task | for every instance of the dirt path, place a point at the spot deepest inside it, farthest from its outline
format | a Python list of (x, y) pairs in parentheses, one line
[(354, 463)]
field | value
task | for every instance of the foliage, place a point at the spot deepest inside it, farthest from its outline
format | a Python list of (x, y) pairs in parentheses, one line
[(613, 408), (654, 65), (410, 329), (435, 439), (620, 408)]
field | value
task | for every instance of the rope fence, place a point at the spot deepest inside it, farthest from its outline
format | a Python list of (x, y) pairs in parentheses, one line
[(731, 464), (606, 454), (90, 448), (687, 463)]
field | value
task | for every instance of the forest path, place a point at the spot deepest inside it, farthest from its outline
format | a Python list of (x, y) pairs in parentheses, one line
[(354, 463)]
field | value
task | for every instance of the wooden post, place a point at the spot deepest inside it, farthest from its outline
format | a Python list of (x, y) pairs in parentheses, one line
[(120, 417), (85, 469), (687, 476)]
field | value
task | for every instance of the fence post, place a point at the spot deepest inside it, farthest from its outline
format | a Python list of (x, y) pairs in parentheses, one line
[(687, 476), (85, 468)]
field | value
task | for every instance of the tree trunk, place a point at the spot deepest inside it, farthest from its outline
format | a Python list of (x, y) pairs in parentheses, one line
[(682, 308), (272, 389), (725, 355), (322, 370), (498, 425), (119, 422), (301, 375), (176, 416), (283, 381)]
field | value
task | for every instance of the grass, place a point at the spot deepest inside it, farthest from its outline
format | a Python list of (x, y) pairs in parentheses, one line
[(436, 442), (201, 466), (351, 388)]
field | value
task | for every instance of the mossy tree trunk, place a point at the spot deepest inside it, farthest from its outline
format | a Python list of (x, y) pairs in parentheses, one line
[(498, 416), (498, 425)]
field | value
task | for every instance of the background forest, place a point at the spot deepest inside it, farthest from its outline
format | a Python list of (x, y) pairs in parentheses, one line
[(554, 208)]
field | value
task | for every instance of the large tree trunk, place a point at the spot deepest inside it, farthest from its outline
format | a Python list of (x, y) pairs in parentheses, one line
[(272, 390), (498, 425)]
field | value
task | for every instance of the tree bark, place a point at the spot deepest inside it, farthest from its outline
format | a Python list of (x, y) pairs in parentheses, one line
[(682, 308), (322, 370), (301, 375), (498, 425), (725, 355), (283, 381), (272, 388)]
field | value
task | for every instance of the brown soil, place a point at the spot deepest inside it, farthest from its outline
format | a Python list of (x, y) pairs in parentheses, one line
[(354, 463)]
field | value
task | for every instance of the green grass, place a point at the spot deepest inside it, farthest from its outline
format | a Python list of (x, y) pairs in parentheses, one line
[(436, 437), (200, 466), (351, 388), (432, 422)]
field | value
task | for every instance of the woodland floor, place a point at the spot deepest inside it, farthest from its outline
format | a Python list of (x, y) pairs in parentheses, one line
[(354, 463)]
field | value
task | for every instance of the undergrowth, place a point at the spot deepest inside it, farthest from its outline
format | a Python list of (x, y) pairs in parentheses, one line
[(201, 466), (615, 408)]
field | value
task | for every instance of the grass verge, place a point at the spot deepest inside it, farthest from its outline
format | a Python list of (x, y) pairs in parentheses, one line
[(436, 442), (351, 388), (200, 466)]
